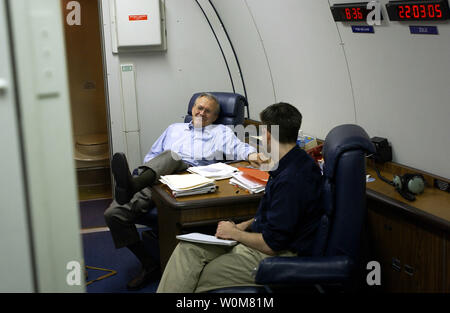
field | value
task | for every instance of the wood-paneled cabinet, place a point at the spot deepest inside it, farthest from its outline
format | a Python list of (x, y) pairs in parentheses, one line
[(413, 256), (447, 264)]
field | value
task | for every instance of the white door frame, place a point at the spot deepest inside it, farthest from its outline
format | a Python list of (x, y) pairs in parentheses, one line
[(15, 237), (46, 128)]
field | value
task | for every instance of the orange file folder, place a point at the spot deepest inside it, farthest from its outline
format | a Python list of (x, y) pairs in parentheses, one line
[(255, 174)]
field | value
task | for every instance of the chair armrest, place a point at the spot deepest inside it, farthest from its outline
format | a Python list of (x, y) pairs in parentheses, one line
[(304, 270)]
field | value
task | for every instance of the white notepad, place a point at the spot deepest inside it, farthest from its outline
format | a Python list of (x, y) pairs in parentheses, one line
[(208, 239)]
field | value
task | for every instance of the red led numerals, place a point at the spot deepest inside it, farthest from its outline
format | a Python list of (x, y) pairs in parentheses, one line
[(357, 14), (437, 8), (419, 11), (353, 14), (348, 14)]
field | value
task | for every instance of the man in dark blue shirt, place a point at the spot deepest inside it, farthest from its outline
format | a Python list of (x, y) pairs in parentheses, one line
[(288, 215), (285, 221)]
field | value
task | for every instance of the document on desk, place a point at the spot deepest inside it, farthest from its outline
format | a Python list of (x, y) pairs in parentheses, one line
[(186, 182), (252, 186), (208, 239), (216, 171)]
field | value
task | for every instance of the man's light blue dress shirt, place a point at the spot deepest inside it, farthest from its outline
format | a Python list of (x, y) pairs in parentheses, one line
[(201, 146)]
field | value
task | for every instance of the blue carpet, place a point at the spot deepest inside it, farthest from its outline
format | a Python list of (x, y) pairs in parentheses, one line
[(99, 251), (91, 212)]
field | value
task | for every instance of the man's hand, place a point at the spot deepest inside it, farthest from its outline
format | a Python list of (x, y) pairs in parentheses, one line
[(227, 230), (257, 159)]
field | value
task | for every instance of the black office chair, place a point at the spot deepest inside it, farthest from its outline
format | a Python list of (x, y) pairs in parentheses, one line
[(232, 108), (336, 258)]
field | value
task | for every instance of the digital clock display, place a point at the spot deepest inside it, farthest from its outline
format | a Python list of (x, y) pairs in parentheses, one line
[(418, 10), (350, 12)]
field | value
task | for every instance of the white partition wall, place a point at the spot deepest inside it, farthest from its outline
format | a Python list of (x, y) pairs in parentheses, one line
[(15, 247), (400, 81), (48, 165), (295, 47), (165, 80)]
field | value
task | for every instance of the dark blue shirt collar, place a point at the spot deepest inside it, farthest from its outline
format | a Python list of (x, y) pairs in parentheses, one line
[(286, 160)]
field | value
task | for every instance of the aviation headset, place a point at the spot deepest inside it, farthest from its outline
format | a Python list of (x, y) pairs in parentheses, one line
[(409, 185)]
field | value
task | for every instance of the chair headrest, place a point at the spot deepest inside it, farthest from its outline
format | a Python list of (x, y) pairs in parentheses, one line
[(341, 139), (232, 107)]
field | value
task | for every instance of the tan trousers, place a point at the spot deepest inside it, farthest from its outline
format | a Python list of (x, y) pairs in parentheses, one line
[(195, 267)]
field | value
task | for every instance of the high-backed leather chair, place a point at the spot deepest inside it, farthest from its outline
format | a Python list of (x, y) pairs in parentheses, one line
[(336, 256), (232, 107)]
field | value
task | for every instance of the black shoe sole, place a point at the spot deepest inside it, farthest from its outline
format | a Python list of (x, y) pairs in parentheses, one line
[(123, 190)]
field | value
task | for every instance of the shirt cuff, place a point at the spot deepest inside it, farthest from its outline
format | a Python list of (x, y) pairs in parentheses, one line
[(273, 244), (252, 150)]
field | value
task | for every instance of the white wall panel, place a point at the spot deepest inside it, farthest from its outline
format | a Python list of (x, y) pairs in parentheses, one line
[(306, 60), (14, 243), (249, 49), (401, 90), (391, 82), (165, 81), (47, 141)]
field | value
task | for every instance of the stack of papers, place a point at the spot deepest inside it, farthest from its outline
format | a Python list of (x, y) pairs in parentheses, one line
[(208, 239), (251, 185), (216, 171), (189, 184)]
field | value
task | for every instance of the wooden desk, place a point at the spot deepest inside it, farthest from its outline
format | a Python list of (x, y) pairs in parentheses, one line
[(411, 240), (178, 214)]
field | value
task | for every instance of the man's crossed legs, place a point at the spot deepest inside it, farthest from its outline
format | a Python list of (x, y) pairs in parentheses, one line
[(132, 201)]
